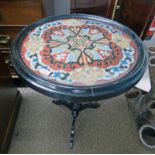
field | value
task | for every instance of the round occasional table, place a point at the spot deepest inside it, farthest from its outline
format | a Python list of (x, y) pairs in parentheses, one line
[(79, 59)]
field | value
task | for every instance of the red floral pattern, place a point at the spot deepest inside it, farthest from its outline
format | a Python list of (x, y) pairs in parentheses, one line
[(71, 46)]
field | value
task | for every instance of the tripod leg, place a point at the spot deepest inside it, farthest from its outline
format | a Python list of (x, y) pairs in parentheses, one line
[(89, 105), (64, 103), (75, 109)]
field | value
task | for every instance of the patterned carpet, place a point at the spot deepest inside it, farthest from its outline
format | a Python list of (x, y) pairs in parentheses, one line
[(43, 127)]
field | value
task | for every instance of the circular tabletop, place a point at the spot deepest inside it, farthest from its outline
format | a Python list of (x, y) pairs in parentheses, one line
[(79, 56)]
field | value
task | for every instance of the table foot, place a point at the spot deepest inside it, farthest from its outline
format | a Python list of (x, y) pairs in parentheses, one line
[(76, 108)]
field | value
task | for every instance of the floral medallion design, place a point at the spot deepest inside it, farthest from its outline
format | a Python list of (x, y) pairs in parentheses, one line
[(79, 52)]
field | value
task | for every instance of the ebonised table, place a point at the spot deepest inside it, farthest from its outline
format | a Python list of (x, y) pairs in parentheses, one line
[(79, 59)]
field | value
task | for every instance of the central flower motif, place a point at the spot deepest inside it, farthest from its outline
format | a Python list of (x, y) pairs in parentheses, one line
[(79, 42), (72, 47)]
